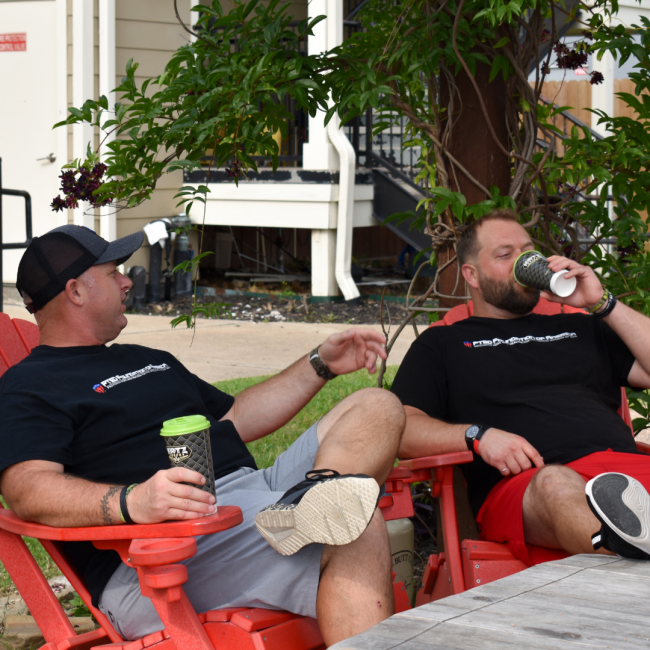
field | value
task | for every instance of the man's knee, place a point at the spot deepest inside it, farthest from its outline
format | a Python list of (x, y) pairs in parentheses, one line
[(379, 404), (554, 483), (374, 407)]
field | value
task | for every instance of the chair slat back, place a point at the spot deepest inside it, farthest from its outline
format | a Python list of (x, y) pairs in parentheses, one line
[(544, 308), (28, 332), (17, 339)]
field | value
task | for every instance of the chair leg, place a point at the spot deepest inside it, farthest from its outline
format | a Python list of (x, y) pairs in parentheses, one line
[(34, 589), (445, 475)]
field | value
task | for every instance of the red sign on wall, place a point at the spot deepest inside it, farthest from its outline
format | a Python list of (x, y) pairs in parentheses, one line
[(13, 42)]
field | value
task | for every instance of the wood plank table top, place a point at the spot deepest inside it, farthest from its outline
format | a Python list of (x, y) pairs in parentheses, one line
[(582, 602)]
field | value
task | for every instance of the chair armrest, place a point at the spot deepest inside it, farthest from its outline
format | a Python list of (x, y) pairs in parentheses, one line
[(225, 517), (643, 447), (441, 460)]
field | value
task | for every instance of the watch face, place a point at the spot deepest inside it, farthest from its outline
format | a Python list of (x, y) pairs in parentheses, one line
[(472, 431)]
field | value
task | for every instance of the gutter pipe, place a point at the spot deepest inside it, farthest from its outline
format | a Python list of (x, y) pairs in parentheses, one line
[(344, 222)]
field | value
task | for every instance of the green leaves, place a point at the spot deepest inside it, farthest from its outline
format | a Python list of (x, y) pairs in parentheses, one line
[(213, 102)]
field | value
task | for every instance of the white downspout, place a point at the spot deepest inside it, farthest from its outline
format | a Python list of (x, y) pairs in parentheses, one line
[(344, 222)]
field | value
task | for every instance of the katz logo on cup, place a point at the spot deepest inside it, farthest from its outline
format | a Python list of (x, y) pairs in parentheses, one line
[(178, 454), (530, 260)]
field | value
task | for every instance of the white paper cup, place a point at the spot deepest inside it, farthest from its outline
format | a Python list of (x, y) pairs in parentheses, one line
[(562, 286)]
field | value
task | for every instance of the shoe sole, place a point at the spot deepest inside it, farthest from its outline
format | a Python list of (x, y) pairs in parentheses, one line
[(623, 504), (334, 513)]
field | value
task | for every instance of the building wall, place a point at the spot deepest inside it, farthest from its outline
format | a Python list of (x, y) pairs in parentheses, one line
[(577, 94), (147, 32)]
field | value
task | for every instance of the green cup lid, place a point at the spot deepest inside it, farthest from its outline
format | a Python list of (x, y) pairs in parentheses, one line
[(188, 424)]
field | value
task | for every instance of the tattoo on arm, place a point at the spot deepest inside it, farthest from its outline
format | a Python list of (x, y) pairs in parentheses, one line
[(69, 477), (106, 512)]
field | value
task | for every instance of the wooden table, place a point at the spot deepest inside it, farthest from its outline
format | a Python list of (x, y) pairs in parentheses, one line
[(586, 601)]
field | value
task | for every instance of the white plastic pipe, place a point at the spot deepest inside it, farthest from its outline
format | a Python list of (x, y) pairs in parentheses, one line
[(344, 222)]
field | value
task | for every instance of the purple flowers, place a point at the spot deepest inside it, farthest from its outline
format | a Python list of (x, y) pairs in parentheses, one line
[(234, 170), (570, 59), (81, 188), (596, 78)]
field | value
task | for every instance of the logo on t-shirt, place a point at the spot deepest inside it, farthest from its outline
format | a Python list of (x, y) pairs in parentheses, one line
[(103, 386), (515, 340), (177, 454)]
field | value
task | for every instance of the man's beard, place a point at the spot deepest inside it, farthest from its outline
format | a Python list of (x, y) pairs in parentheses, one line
[(506, 296)]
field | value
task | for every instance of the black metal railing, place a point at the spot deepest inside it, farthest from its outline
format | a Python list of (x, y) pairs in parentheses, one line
[(565, 121), (28, 227)]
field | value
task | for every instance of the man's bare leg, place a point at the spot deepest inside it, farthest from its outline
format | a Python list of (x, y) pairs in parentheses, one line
[(556, 514), (359, 436), (355, 590)]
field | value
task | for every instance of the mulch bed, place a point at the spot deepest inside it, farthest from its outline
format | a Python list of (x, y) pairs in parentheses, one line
[(278, 308)]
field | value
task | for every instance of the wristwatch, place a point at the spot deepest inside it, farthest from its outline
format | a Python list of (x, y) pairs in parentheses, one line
[(473, 434), (319, 366)]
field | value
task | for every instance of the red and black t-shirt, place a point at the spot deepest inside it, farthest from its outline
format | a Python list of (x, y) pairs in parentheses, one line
[(554, 380), (98, 411)]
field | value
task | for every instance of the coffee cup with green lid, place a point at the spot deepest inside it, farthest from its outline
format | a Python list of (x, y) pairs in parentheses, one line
[(188, 445)]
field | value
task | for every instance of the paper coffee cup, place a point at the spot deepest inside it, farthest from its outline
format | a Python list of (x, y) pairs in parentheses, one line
[(531, 270), (188, 445)]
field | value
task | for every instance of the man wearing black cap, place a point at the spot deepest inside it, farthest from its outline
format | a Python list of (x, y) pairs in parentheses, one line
[(81, 447)]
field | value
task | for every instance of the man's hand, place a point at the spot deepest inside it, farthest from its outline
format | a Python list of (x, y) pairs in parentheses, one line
[(588, 290), (353, 349), (164, 496), (509, 453)]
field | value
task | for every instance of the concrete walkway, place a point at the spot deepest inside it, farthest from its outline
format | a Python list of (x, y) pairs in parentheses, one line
[(225, 349)]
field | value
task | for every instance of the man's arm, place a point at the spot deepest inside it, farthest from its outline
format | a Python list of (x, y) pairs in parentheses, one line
[(264, 408), (633, 328), (40, 491), (426, 436)]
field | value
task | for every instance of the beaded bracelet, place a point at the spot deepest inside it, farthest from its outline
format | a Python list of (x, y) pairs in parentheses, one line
[(611, 303), (124, 511), (600, 303)]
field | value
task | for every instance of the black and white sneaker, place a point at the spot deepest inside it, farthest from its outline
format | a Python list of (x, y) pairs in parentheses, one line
[(622, 505), (325, 508)]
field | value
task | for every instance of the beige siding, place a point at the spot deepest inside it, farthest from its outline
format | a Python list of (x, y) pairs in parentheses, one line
[(297, 8), (576, 94), (147, 32)]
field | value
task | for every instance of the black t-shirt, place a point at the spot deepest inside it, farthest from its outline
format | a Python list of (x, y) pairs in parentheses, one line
[(554, 380), (98, 411)]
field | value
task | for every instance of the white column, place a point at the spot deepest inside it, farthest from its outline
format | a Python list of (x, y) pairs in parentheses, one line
[(602, 98), (107, 76), (319, 153), (82, 88), (61, 92), (602, 95), (323, 259)]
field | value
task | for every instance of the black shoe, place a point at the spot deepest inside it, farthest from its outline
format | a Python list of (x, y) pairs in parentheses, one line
[(325, 508), (622, 505)]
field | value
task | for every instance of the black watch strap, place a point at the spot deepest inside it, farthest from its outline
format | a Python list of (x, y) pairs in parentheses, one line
[(472, 442), (319, 366)]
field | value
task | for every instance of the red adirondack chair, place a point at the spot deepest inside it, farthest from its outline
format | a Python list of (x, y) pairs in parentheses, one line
[(470, 563), (155, 551)]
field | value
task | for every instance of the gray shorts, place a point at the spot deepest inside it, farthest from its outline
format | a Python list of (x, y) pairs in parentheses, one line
[(236, 567)]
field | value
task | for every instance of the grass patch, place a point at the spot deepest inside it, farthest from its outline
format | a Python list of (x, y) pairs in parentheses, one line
[(267, 449)]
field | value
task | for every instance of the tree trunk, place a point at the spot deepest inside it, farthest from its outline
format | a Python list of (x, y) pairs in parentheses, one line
[(473, 146)]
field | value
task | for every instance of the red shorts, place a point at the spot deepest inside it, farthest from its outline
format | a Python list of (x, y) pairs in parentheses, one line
[(501, 516)]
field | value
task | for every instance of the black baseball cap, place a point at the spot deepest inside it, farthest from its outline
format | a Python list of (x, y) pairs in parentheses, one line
[(64, 254)]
